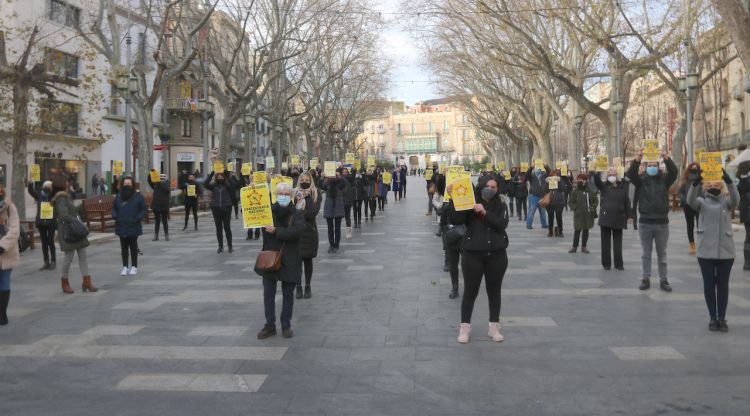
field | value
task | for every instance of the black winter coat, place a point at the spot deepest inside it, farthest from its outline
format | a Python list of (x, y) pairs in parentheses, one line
[(486, 234), (287, 235), (653, 197), (744, 189), (536, 183), (221, 194), (349, 192), (308, 240), (359, 187), (39, 197), (614, 203), (518, 185), (160, 200)]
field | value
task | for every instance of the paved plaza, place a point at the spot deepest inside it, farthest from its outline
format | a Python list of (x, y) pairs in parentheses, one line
[(378, 336)]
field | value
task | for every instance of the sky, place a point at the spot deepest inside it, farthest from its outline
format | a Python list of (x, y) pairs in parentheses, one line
[(409, 81)]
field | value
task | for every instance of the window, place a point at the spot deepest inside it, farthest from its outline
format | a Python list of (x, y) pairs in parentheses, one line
[(187, 127), (59, 117), (61, 63), (398, 129), (445, 126), (413, 128), (429, 127), (64, 14), (466, 148), (465, 133), (114, 101)]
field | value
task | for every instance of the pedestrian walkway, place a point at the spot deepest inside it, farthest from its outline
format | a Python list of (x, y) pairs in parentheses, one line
[(378, 336)]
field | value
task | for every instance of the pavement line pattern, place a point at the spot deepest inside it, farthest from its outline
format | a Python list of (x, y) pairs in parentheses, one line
[(143, 352), (221, 383), (195, 296), (365, 267), (218, 331), (647, 353)]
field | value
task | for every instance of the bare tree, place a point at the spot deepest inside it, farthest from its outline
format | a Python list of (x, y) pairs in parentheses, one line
[(736, 19)]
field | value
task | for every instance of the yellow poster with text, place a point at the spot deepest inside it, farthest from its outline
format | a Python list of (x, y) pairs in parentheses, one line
[(711, 165), (36, 173), (260, 177), (329, 168), (247, 169), (218, 166), (284, 165), (46, 211), (651, 150), (191, 190), (117, 167), (488, 167), (428, 174), (454, 173), (314, 163), (506, 175), (524, 167), (256, 206), (427, 160), (501, 165), (387, 179), (463, 193), (230, 166), (553, 183), (295, 160), (270, 162), (602, 163), (539, 164), (357, 164), (277, 180), (697, 153), (155, 178), (370, 161), (442, 167)]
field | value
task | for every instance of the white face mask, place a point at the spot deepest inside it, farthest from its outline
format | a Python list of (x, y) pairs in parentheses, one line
[(612, 179)]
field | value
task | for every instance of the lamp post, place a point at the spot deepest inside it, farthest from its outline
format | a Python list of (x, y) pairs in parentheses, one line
[(207, 108), (617, 108), (687, 84), (277, 131), (578, 123), (250, 138)]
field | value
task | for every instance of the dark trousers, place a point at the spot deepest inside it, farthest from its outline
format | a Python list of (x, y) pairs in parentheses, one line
[(611, 242), (371, 202), (236, 206), (250, 232), (429, 201), (358, 211), (403, 190), (161, 217), (454, 256), (691, 217), (746, 246), (308, 264), (222, 216), (129, 245), (716, 285), (191, 204), (511, 204), (397, 195), (269, 302), (334, 231), (521, 207), (381, 202), (492, 266), (47, 235), (577, 234), (552, 213), (348, 214)]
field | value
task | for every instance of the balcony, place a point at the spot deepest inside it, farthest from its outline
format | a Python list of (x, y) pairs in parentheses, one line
[(185, 105)]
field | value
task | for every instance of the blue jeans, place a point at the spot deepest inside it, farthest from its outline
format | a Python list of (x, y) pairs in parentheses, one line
[(533, 206), (269, 302), (5, 279)]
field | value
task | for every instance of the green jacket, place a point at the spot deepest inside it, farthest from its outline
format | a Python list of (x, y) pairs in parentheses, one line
[(583, 203), (65, 210)]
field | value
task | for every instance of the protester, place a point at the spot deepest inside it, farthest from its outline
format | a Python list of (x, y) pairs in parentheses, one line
[(691, 216), (235, 194), (653, 180), (160, 205), (307, 201), (715, 249), (536, 178), (128, 211), (452, 246), (556, 203), (613, 217), (283, 235), (65, 212), (371, 200), (191, 202), (403, 181), (431, 185), (360, 196), (10, 228), (743, 174), (583, 204), (521, 193), (484, 255), (46, 227), (396, 179), (221, 206), (511, 192), (381, 191), (349, 195), (333, 209)]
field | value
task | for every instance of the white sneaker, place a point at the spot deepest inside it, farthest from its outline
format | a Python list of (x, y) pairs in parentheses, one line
[(463, 333), (348, 232), (133, 271), (124, 271), (494, 332)]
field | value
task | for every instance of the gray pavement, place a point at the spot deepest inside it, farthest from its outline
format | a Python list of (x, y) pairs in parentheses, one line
[(378, 336)]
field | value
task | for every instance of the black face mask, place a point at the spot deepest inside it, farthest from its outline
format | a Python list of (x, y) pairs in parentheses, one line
[(304, 185), (221, 180), (714, 191), (581, 185)]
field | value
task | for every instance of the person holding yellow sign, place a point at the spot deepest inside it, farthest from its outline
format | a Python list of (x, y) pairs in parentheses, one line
[(333, 210), (45, 222), (221, 189), (536, 178), (191, 192), (554, 188), (160, 204)]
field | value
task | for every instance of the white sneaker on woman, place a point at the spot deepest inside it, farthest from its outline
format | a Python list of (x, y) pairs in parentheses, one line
[(463, 333), (124, 271), (494, 332), (133, 271)]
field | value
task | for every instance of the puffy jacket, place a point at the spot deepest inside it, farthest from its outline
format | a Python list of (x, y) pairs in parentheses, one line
[(65, 210), (484, 234), (653, 197), (221, 194), (615, 203), (287, 234), (714, 232), (334, 203), (583, 203), (536, 182), (349, 192), (308, 240), (128, 215), (160, 200), (39, 197)]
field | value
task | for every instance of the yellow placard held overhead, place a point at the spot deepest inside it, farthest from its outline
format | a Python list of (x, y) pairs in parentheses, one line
[(387, 178), (295, 160), (349, 156), (553, 182), (218, 166), (256, 206), (711, 166), (155, 177), (620, 172), (329, 168), (260, 177), (191, 190), (457, 176), (46, 211), (427, 160), (501, 165), (117, 167), (230, 166), (36, 173), (284, 165), (277, 180), (442, 167), (539, 164), (247, 169), (270, 162), (357, 164), (314, 163), (370, 161), (602, 163), (651, 151), (488, 167), (697, 153), (506, 175), (428, 174), (524, 166)]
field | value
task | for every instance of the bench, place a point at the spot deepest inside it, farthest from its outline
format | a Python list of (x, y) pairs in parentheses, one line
[(99, 209), (29, 230)]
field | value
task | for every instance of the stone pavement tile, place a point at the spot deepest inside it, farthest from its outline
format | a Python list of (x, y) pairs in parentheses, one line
[(301, 383), (647, 353), (220, 331), (377, 384), (382, 353), (225, 383), (355, 404), (354, 341)]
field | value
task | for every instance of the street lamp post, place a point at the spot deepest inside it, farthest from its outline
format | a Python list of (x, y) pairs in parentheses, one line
[(206, 108), (579, 122), (617, 108), (128, 120), (250, 138), (277, 130), (687, 84)]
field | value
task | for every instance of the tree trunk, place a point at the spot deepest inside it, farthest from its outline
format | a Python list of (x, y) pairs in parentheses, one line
[(145, 161), (225, 137), (20, 139), (737, 21)]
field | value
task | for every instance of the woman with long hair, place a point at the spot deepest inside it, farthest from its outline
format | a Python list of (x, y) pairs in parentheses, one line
[(11, 226), (128, 211), (307, 201), (333, 210), (691, 216)]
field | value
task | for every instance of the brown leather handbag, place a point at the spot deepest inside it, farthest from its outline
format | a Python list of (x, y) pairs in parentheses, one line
[(270, 260)]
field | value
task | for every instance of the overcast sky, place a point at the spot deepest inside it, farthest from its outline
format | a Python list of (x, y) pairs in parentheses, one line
[(409, 80)]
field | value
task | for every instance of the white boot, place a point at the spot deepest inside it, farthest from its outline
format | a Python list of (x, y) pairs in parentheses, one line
[(494, 332), (133, 271), (463, 333), (348, 232), (124, 271)]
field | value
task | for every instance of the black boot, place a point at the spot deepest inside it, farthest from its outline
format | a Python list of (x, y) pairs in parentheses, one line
[(156, 237), (4, 299), (166, 237), (308, 292), (454, 293), (298, 294)]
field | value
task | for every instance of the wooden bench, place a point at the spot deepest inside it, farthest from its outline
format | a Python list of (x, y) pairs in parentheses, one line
[(99, 209), (29, 230)]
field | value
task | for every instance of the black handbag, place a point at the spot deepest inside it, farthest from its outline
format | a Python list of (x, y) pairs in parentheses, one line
[(455, 234), (74, 231)]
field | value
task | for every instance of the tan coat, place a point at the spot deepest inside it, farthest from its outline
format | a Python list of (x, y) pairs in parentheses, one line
[(9, 218)]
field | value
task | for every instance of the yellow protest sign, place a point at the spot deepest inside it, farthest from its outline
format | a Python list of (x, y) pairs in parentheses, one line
[(284, 165), (442, 166), (314, 163), (256, 206), (501, 165), (191, 190), (370, 161), (218, 166), (357, 164), (506, 175), (539, 164), (524, 166), (277, 180), (553, 182), (329, 168), (295, 160), (230, 166), (260, 177), (387, 178), (349, 156), (247, 169), (488, 167), (36, 173), (463, 193), (428, 174), (454, 176), (155, 178), (711, 165), (602, 163), (117, 167), (620, 172), (270, 162), (427, 160), (651, 150), (46, 211), (697, 153)]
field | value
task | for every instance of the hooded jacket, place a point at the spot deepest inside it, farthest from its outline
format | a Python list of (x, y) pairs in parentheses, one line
[(714, 231)]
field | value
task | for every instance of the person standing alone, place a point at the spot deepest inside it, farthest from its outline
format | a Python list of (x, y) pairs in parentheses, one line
[(45, 226), (160, 205), (128, 211)]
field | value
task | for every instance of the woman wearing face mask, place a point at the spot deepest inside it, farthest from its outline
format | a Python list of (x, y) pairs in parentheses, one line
[(160, 205), (381, 191), (191, 202), (715, 249), (370, 200), (743, 174), (360, 196), (613, 217), (691, 216), (128, 211), (307, 201), (10, 228), (288, 226), (349, 194), (583, 203), (556, 204), (333, 210), (221, 206), (65, 211), (484, 254), (46, 227)]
